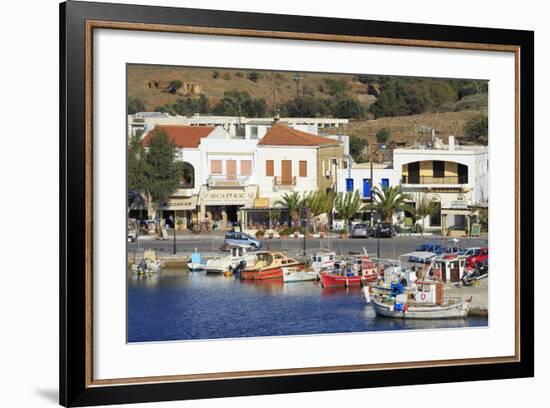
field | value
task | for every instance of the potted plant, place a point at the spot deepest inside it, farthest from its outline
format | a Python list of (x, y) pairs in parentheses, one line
[(260, 234), (270, 234), (344, 233), (284, 233)]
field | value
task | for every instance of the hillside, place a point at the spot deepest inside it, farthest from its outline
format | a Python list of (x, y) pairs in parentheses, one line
[(408, 129), (272, 86)]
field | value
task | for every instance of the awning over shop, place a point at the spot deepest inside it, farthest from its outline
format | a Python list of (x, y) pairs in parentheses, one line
[(184, 203)]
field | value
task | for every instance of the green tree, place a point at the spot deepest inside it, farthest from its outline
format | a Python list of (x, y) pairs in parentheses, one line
[(348, 107), (423, 208), (292, 202), (347, 205), (383, 135), (137, 175), (135, 105), (305, 106), (386, 202), (476, 129), (236, 102), (319, 202), (357, 147), (335, 86), (162, 170)]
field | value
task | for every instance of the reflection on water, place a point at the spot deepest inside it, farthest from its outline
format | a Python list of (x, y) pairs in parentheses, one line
[(177, 305)]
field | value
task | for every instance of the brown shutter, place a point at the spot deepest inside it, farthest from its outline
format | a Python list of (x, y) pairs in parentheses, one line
[(286, 172), (231, 168), (269, 168), (246, 167), (215, 166), (303, 168)]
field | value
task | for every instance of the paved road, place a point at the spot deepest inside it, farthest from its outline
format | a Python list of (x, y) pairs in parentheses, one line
[(389, 248)]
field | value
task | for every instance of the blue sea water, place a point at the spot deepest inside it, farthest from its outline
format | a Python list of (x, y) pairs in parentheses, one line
[(178, 305)]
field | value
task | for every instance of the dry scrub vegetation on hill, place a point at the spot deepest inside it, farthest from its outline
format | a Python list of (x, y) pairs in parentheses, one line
[(404, 107)]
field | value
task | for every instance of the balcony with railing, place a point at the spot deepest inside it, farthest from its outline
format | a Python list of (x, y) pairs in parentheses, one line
[(284, 182), (227, 180), (432, 180)]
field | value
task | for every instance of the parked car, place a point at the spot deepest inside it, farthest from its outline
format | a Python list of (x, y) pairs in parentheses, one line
[(360, 231), (384, 230), (467, 252), (480, 258), (240, 238)]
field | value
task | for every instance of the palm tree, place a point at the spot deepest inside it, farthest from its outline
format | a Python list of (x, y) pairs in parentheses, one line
[(347, 205), (388, 201), (424, 208), (293, 202), (318, 202)]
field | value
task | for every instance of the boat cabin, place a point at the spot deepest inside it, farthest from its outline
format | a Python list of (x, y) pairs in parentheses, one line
[(429, 292), (323, 261), (451, 267)]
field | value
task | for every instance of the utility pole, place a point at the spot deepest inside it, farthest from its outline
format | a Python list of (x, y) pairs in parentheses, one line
[(297, 78), (371, 185), (174, 226)]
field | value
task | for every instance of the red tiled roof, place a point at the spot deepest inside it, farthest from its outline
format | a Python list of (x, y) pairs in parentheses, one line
[(181, 136), (282, 135)]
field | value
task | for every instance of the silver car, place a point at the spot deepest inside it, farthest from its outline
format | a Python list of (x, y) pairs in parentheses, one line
[(360, 231)]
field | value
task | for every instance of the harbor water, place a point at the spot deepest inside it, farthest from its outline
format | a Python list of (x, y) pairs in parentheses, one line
[(181, 305)]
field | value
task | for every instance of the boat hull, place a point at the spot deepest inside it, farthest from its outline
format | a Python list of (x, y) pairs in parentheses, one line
[(299, 276), (454, 311), (266, 273), (329, 280)]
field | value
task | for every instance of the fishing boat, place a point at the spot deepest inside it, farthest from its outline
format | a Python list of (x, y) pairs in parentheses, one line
[(323, 261), (427, 302), (370, 270), (197, 263), (356, 270), (269, 265), (293, 274), (148, 265), (333, 280), (239, 256)]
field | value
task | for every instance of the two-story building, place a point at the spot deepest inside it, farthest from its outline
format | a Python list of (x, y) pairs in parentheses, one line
[(290, 160), (454, 177)]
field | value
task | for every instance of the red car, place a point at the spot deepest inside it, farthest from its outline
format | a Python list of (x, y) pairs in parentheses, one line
[(480, 257)]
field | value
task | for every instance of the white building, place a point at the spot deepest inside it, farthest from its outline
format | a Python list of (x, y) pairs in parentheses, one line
[(226, 176), (250, 128), (453, 177)]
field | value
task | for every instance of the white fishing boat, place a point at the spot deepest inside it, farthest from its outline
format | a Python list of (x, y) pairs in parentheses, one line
[(294, 274), (239, 256), (197, 263), (427, 302), (323, 261), (148, 265)]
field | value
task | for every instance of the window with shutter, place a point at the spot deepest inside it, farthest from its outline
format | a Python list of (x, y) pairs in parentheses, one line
[(246, 167), (269, 168), (303, 168), (215, 166)]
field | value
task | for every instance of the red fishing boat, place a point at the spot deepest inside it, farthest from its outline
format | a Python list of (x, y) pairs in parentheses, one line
[(269, 265), (334, 280), (370, 270), (357, 271)]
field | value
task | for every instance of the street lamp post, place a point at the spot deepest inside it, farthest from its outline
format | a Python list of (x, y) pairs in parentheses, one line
[(305, 227), (174, 226), (378, 241)]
